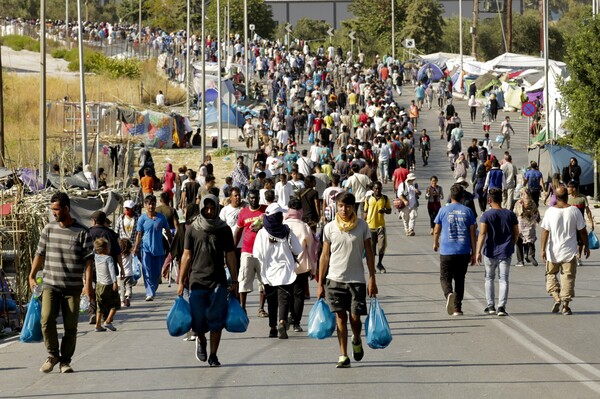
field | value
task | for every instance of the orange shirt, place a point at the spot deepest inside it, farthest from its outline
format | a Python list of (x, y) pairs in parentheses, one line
[(147, 184)]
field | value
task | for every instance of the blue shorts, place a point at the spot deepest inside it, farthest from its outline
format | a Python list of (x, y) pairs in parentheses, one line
[(209, 309)]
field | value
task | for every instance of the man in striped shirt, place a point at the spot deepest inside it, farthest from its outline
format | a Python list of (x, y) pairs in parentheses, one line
[(65, 253)]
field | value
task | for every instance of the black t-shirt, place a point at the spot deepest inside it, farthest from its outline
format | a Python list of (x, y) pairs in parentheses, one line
[(208, 256), (113, 242), (473, 153), (309, 209)]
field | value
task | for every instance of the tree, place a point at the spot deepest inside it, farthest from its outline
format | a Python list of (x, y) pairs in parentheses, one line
[(310, 29), (449, 41), (169, 15), (581, 94), (424, 23), (259, 13)]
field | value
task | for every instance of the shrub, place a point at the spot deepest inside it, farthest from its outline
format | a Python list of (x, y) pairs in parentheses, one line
[(19, 43), (98, 63)]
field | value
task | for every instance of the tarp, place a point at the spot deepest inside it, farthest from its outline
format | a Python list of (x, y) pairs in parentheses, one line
[(155, 128), (83, 208), (228, 114), (485, 81), (519, 61), (553, 158)]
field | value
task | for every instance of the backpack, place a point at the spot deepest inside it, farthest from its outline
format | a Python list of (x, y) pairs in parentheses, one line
[(452, 146)]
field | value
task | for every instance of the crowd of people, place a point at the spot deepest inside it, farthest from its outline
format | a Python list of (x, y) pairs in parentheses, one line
[(287, 215)]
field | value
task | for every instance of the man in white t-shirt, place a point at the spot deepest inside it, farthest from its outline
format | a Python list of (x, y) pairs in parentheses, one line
[(358, 184), (160, 99), (282, 137), (305, 164), (249, 133), (283, 190), (230, 213), (560, 227)]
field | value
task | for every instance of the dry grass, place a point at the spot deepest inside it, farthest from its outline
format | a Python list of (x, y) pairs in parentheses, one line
[(21, 107)]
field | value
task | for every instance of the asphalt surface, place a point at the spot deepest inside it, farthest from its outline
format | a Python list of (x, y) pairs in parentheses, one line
[(531, 353)]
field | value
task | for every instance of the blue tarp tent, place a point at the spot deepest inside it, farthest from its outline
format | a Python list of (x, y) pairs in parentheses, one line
[(228, 114), (436, 73), (553, 158)]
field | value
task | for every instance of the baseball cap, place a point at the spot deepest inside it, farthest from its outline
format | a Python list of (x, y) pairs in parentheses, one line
[(275, 208), (129, 204)]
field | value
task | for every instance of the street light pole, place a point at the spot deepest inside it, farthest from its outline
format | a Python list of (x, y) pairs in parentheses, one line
[(187, 62), (220, 55), (43, 91), (203, 85), (81, 86), (246, 58), (460, 43), (393, 30)]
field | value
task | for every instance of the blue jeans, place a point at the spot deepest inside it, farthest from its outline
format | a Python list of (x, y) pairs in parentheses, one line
[(503, 266), (151, 268)]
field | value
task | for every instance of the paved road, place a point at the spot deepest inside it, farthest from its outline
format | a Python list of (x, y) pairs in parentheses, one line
[(532, 353)]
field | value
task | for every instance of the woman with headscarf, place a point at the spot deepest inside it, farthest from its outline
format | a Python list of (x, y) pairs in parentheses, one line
[(307, 263), (208, 247), (461, 166), (169, 180), (528, 216), (277, 249)]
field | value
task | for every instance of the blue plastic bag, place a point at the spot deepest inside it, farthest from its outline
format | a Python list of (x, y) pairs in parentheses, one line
[(179, 319), (32, 326), (137, 268), (321, 322), (377, 328), (593, 240), (311, 138), (237, 320)]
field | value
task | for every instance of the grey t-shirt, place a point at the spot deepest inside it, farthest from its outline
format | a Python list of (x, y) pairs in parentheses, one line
[(345, 262)]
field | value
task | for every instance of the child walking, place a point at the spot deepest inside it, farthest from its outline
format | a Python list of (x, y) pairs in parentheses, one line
[(126, 281), (107, 296)]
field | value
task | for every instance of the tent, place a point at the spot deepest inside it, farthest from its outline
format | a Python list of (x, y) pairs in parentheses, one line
[(229, 115), (553, 158), (486, 81), (436, 73)]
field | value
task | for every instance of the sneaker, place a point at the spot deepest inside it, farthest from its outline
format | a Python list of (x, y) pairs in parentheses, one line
[(100, 329), (297, 328), (213, 361), (502, 311), (490, 310), (149, 298), (201, 354), (110, 327), (556, 307), (273, 332), (123, 304), (527, 259), (282, 331), (450, 303), (93, 319), (566, 310), (343, 362), (66, 368), (534, 262), (189, 337), (381, 268), (49, 364), (519, 264), (262, 313), (357, 350), (411, 233), (457, 312), (579, 262)]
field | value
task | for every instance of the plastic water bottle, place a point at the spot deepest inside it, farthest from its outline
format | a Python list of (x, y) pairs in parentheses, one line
[(37, 291), (84, 304)]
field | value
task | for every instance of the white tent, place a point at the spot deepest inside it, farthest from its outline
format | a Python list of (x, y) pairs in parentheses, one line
[(520, 61)]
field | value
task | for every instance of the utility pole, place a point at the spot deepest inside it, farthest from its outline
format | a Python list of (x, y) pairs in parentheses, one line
[(188, 57), (43, 90), (246, 48), (84, 156), (203, 85), (474, 28), (219, 88), (509, 25), (393, 29), (1, 116)]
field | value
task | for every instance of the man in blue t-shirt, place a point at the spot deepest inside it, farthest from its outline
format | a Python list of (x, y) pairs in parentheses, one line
[(498, 234), (454, 236), (535, 182)]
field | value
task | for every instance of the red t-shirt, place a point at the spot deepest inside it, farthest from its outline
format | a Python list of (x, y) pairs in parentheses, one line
[(245, 219), (400, 175)]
